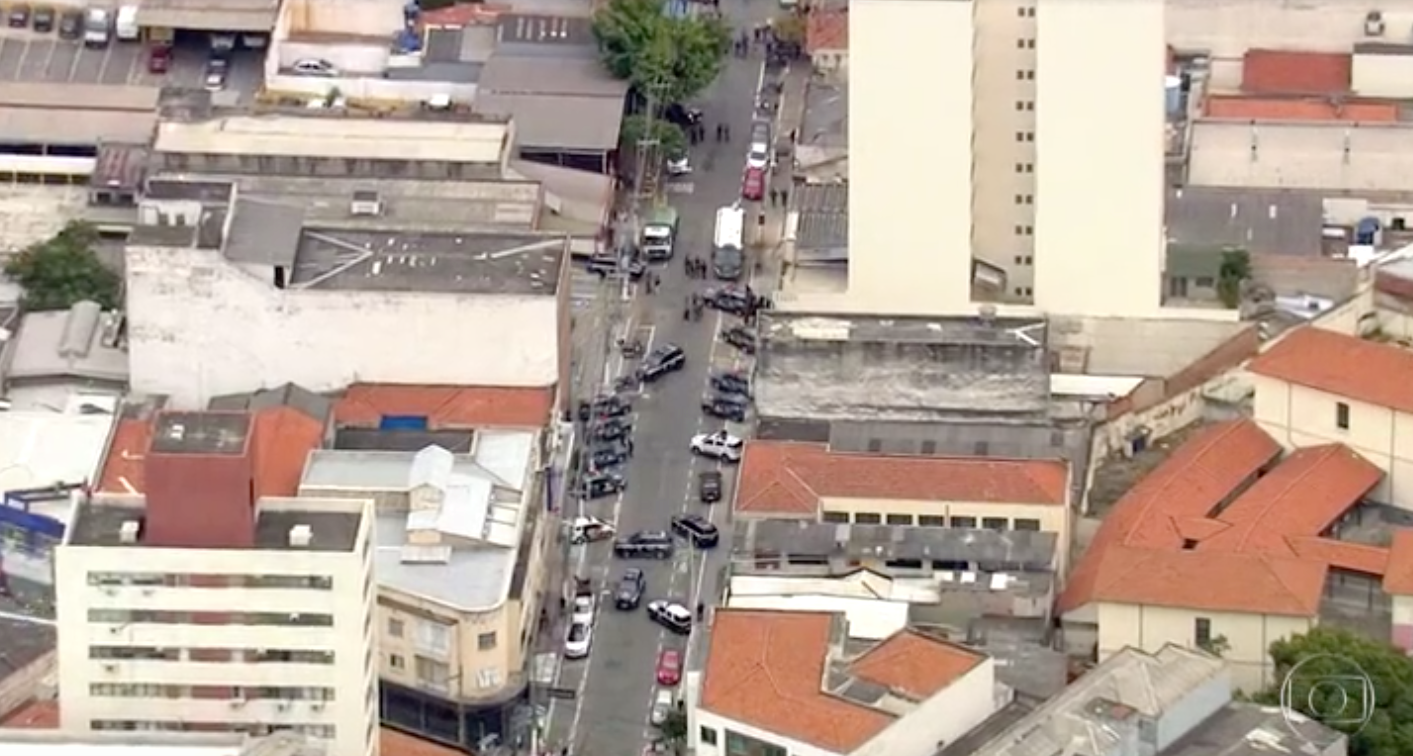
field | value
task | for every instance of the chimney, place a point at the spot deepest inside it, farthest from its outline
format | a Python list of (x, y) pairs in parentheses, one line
[(129, 531), (300, 536), (201, 481)]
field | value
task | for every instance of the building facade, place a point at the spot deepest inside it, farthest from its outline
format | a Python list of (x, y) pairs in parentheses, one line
[(208, 613)]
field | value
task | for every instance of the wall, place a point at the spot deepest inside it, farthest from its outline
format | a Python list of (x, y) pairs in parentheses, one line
[(1099, 251), (474, 673), (870, 619), (22, 685), (367, 88), (701, 718), (369, 18), (1303, 156), (1297, 417), (1249, 636), (1383, 75), (199, 328), (943, 718), (1231, 27), (919, 168), (1157, 421), (351, 712), (1402, 633), (360, 58)]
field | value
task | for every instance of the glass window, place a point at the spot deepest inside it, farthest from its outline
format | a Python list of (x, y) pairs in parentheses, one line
[(486, 641), (900, 519), (995, 523), (744, 745), (963, 522), (708, 735), (395, 627), (840, 517), (932, 521), (1026, 523), (867, 518)]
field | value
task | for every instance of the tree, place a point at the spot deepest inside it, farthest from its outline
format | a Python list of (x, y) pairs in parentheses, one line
[(669, 58), (1234, 270), (63, 270), (1217, 645), (668, 135), (674, 728), (1323, 668)]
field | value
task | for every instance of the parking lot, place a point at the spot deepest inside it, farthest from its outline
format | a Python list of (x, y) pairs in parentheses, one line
[(30, 56)]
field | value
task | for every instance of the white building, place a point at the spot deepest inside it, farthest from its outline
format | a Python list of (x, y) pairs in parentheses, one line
[(784, 682), (1032, 80), (195, 609), (227, 295)]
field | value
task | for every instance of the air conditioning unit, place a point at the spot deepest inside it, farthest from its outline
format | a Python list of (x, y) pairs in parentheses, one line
[(1374, 24)]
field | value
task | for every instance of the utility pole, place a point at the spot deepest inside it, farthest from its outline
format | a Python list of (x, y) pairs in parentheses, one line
[(645, 183)]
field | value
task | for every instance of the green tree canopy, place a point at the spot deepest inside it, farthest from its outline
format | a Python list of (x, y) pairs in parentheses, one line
[(63, 270), (1318, 666), (672, 59), (669, 135)]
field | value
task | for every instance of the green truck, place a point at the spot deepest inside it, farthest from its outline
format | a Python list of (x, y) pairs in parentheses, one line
[(660, 233)]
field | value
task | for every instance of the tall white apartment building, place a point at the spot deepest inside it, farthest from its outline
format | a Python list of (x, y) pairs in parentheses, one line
[(1025, 136), (198, 608)]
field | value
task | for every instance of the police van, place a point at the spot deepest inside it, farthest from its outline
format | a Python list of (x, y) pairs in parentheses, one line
[(728, 253)]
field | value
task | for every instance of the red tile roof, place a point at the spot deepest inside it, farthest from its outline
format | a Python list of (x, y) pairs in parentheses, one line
[(1299, 109), (1296, 72), (1170, 542), (827, 30), (787, 477), (1322, 360), (1398, 574), (284, 437), (767, 669), (445, 407), (44, 715)]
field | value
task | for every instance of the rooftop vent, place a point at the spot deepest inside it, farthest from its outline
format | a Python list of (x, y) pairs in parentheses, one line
[(1374, 24), (366, 203), (128, 531), (300, 536)]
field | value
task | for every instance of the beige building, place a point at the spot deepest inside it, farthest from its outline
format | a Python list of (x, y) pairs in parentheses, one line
[(793, 480), (200, 607), (1031, 79)]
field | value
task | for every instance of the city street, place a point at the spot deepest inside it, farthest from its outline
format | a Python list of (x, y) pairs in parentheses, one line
[(616, 685)]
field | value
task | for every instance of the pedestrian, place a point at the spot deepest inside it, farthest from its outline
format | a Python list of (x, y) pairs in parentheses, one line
[(686, 314), (774, 195), (784, 197), (628, 442)]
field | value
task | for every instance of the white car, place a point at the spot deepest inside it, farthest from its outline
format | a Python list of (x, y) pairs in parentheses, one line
[(588, 530), (314, 67), (758, 156), (719, 445), (583, 610), (662, 706), (671, 615), (577, 641)]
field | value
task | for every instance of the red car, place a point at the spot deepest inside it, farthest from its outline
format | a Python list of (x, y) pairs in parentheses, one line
[(669, 667), (753, 184), (159, 58)]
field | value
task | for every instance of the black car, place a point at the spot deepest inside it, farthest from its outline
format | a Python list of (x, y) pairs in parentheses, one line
[(608, 265), (608, 455), (731, 383), (600, 484), (649, 544), (19, 16), (740, 337), (44, 19), (696, 529), (709, 486), (730, 299), (70, 24), (605, 407), (725, 406), (612, 430), (682, 115), (631, 587), (661, 361)]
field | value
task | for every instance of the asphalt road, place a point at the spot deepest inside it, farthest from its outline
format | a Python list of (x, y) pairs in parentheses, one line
[(616, 685)]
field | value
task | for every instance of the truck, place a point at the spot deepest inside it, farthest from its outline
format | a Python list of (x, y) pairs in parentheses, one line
[(97, 27), (660, 233), (126, 28)]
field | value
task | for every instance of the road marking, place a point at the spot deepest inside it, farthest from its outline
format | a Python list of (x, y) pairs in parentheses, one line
[(679, 187)]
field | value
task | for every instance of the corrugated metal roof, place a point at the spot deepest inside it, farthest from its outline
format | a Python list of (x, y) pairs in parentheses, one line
[(507, 74), (558, 122)]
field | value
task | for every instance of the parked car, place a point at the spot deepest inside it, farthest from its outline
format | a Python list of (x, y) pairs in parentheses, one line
[(583, 609), (314, 67), (725, 406), (43, 19), (731, 382), (740, 337), (663, 704), (669, 667), (578, 640), (758, 153), (612, 430), (631, 586), (217, 69), (719, 445), (662, 360), (733, 299), (682, 115), (753, 184), (709, 486), (612, 405), (588, 530), (651, 544), (71, 24), (19, 16), (697, 529), (600, 484), (607, 456), (159, 58), (671, 615)]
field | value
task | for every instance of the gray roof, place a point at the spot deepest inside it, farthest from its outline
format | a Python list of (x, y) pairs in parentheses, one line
[(209, 15), (1246, 729), (991, 551), (823, 231), (557, 121), (1262, 221), (100, 524), (453, 262), (264, 233), (398, 440), (573, 77), (69, 344), (317, 406), (826, 118)]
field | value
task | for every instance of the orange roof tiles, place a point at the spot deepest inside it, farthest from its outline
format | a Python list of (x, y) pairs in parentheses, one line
[(284, 437), (462, 14), (1298, 109), (915, 665), (1321, 360), (1170, 542), (786, 477), (766, 669), (445, 407), (827, 30), (1398, 573), (1296, 72), (35, 715)]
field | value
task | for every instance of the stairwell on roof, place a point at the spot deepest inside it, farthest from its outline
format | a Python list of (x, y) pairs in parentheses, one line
[(446, 509)]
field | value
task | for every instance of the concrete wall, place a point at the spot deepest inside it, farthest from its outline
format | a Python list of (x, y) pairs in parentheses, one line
[(199, 328), (20, 686), (1302, 155), (944, 718), (1229, 28), (349, 57), (1099, 251), (919, 165), (366, 18), (370, 88), (1383, 75)]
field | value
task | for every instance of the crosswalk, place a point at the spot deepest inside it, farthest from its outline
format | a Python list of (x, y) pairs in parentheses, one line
[(679, 187)]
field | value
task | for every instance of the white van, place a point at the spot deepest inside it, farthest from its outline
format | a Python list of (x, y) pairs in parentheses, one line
[(728, 252), (126, 27), (97, 25)]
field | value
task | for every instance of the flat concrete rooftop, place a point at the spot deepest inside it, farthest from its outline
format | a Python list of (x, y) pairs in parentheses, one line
[(99, 524), (992, 551), (463, 262), (223, 433), (825, 367)]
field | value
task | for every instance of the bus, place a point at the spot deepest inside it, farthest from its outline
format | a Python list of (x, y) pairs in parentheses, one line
[(728, 253)]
